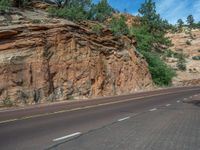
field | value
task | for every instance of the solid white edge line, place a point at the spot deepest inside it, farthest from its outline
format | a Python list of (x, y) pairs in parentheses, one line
[(67, 136), (168, 105), (154, 109), (122, 119)]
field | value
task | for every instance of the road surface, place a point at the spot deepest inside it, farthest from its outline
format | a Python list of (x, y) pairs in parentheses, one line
[(157, 120)]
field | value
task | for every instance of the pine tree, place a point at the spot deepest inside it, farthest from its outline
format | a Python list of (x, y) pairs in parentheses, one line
[(190, 21)]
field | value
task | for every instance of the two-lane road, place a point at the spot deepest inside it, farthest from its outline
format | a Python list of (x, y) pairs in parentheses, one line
[(148, 120)]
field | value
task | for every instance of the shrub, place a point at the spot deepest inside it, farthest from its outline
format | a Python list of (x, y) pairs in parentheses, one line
[(7, 102), (181, 65), (97, 28), (73, 13), (36, 21), (161, 73), (188, 42), (196, 57), (4, 6), (118, 26)]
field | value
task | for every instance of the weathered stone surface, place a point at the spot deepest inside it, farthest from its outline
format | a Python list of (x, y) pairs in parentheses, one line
[(41, 63)]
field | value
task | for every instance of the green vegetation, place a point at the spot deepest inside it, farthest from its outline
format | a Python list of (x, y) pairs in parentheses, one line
[(97, 28), (196, 57), (190, 21), (118, 26), (151, 43), (20, 3), (161, 73), (77, 10), (4, 6), (188, 42), (101, 11), (181, 64), (180, 24), (7, 102)]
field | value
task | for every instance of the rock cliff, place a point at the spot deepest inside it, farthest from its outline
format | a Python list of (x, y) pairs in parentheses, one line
[(53, 62)]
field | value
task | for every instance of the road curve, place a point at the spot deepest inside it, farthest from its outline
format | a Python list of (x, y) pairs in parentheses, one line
[(147, 120)]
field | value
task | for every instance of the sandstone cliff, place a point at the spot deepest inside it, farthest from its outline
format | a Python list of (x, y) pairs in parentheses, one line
[(53, 62), (188, 44)]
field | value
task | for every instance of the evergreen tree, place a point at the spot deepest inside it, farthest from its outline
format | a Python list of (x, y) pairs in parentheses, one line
[(101, 11), (180, 23), (190, 21)]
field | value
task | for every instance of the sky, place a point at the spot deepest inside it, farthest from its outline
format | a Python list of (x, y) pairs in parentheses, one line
[(172, 10)]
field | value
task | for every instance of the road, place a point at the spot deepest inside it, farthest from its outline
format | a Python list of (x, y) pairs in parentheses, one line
[(155, 120)]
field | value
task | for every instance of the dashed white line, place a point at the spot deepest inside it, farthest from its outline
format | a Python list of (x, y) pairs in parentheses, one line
[(122, 119), (178, 101), (67, 136), (168, 105), (154, 109)]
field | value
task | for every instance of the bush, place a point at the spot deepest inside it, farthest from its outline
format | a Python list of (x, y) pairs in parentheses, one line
[(161, 73), (181, 65), (188, 42), (4, 6), (118, 26), (196, 57), (97, 28), (72, 13), (7, 102)]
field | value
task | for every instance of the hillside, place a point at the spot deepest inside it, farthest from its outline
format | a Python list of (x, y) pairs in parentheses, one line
[(189, 45), (44, 60)]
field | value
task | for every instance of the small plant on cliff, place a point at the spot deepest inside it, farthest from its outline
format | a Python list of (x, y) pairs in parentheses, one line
[(7, 102), (97, 28), (118, 26), (4, 6)]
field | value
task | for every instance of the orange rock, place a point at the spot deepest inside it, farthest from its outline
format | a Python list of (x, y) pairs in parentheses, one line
[(57, 62)]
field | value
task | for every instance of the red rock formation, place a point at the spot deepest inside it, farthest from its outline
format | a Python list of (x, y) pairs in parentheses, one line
[(40, 63)]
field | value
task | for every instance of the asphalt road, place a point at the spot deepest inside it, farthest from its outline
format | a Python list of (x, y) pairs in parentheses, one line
[(155, 120)]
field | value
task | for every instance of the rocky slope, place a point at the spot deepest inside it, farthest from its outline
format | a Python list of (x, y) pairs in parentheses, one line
[(188, 44), (58, 61)]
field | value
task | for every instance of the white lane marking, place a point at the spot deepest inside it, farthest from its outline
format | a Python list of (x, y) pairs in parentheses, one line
[(168, 105), (122, 119), (67, 136), (154, 109), (178, 101), (195, 95)]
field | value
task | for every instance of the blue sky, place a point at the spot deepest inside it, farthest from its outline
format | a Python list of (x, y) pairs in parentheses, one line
[(171, 10)]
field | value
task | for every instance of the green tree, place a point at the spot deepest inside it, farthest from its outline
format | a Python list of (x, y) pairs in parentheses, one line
[(190, 20), (101, 11), (180, 24), (75, 10), (154, 24)]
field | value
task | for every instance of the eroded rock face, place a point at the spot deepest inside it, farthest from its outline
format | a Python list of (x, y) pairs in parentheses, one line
[(40, 63)]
